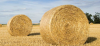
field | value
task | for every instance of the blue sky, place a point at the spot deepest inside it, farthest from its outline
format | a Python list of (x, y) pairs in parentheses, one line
[(35, 9)]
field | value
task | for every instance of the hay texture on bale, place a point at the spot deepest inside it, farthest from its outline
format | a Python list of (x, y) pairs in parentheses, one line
[(19, 25), (65, 24), (0, 25)]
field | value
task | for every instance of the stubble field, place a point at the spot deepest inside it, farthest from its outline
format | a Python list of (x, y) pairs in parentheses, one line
[(35, 39)]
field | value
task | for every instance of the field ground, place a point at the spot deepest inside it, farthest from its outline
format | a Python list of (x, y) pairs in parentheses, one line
[(34, 38)]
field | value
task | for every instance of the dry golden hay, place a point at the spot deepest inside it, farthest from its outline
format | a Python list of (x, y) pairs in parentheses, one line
[(19, 25), (65, 24), (0, 25), (91, 23)]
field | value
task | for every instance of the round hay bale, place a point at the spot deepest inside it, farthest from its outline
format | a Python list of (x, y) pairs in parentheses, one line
[(0, 25), (19, 25), (91, 23), (65, 24)]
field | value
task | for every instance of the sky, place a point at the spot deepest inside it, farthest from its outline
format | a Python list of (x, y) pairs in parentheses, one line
[(35, 9)]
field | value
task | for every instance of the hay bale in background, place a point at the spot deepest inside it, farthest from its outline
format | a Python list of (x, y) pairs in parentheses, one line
[(0, 25), (19, 25), (66, 24), (91, 23)]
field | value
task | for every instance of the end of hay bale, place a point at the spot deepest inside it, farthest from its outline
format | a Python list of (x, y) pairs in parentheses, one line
[(45, 27), (19, 25)]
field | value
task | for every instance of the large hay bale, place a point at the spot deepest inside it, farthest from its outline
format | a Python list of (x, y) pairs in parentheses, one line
[(19, 25), (0, 25), (65, 24)]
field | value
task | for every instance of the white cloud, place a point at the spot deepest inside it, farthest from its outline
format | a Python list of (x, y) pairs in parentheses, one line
[(35, 10), (1, 1)]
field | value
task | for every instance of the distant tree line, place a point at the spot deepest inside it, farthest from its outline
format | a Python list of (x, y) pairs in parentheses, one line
[(93, 18)]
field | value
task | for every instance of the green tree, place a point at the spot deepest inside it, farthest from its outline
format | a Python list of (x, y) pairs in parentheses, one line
[(96, 17), (89, 17)]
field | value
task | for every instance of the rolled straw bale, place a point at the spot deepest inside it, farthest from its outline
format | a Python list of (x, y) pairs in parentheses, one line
[(65, 24), (19, 25), (91, 23), (0, 25)]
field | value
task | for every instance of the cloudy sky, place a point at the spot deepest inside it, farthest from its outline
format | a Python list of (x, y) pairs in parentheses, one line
[(35, 9)]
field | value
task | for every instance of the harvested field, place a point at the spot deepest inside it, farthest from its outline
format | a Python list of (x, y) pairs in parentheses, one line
[(34, 38)]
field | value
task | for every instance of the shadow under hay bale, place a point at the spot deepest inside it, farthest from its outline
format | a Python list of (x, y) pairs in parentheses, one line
[(32, 34), (90, 39)]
